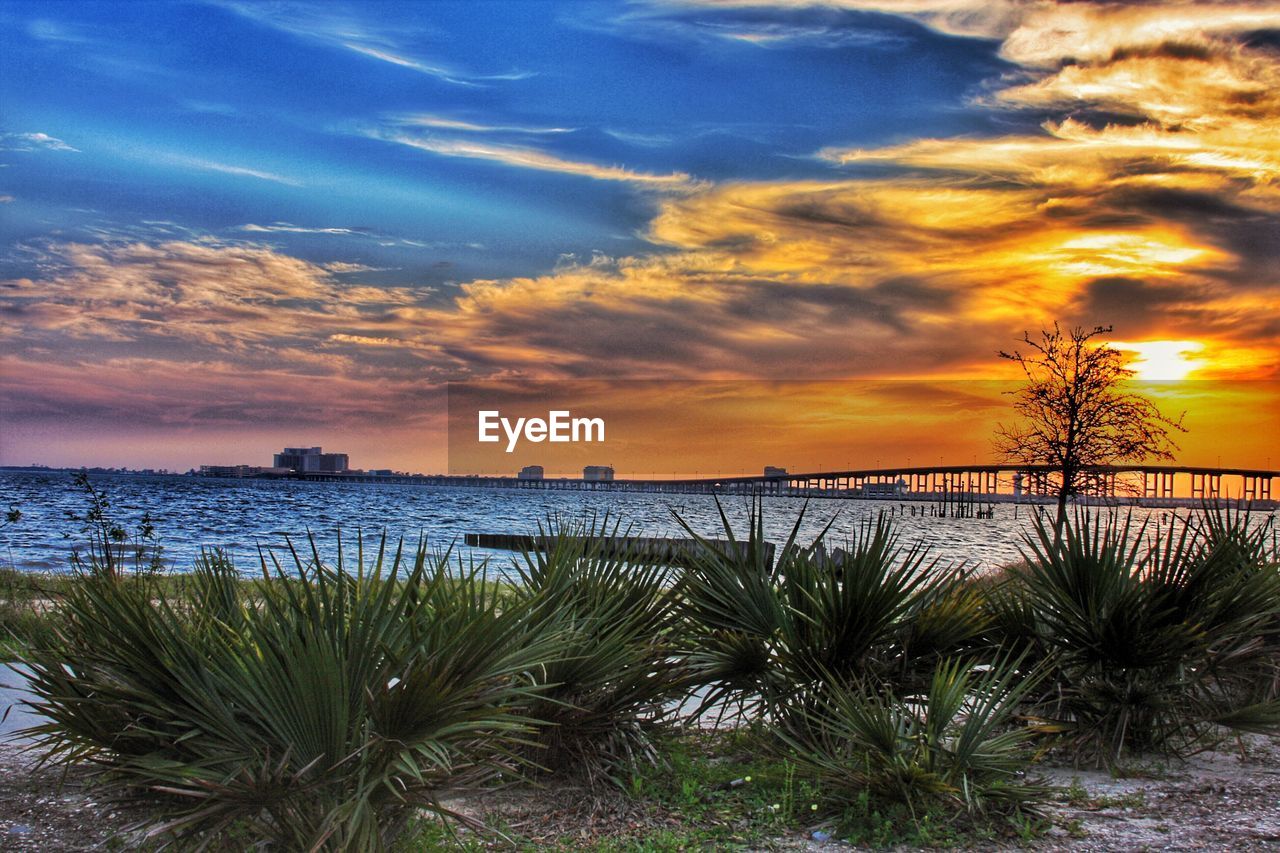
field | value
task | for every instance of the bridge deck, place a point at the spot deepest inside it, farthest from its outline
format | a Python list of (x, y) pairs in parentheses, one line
[(997, 482)]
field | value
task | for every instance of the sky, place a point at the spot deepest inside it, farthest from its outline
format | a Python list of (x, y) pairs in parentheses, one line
[(226, 227)]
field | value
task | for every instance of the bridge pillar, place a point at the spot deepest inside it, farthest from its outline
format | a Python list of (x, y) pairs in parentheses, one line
[(1157, 484), (1206, 486), (1257, 487)]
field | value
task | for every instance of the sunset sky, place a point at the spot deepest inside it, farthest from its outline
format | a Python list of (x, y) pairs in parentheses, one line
[(230, 226)]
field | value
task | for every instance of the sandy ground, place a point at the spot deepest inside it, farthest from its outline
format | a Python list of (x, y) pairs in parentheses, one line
[(1226, 800), (41, 809)]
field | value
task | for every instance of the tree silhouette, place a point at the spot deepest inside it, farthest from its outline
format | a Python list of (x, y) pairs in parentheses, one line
[(1076, 414)]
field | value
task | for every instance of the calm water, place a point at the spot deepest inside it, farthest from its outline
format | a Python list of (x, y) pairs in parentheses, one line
[(239, 515)]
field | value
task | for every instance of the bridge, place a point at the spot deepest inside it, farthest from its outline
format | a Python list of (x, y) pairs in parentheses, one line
[(1151, 485)]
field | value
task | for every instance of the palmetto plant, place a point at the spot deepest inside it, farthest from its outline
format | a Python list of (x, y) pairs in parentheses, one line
[(1153, 641), (315, 708), (764, 634), (611, 615), (958, 744)]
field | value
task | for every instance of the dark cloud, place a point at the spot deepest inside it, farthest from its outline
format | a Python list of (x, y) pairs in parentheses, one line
[(1133, 306)]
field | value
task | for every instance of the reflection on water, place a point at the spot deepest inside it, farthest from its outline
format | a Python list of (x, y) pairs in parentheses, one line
[(239, 515)]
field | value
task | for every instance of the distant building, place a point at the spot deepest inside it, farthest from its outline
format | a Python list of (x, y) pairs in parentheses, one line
[(227, 471), (770, 471), (380, 472), (531, 472), (241, 471), (312, 460), (598, 473)]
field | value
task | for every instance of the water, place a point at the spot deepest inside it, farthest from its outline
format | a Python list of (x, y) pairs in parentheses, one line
[(191, 513)]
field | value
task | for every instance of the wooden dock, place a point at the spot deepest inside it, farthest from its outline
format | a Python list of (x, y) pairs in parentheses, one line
[(641, 549)]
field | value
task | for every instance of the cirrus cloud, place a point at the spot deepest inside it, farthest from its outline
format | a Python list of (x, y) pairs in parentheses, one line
[(33, 142), (524, 157)]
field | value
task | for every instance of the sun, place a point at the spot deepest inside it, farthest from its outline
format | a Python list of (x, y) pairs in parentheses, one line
[(1163, 360)]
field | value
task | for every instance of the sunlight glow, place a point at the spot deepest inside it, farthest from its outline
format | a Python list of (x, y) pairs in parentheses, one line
[(1163, 360), (1124, 253)]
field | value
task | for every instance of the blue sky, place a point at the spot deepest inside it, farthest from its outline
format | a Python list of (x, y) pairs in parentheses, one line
[(229, 225), (218, 116)]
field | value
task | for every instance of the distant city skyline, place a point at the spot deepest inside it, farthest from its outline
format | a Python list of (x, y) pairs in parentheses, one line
[(229, 225)]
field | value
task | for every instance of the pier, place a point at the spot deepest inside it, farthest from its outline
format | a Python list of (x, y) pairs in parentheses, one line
[(1146, 485)]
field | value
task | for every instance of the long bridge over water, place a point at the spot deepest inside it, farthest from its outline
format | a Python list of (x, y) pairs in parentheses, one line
[(1152, 485)]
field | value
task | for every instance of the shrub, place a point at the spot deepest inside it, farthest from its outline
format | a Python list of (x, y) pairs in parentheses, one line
[(316, 707), (763, 634), (612, 684), (1152, 642), (957, 748)]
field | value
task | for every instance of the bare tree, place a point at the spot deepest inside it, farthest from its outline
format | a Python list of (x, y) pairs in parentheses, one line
[(1075, 412)]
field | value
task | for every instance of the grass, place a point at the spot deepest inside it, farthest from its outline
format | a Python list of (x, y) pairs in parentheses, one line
[(29, 604), (29, 601), (730, 781), (723, 790)]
